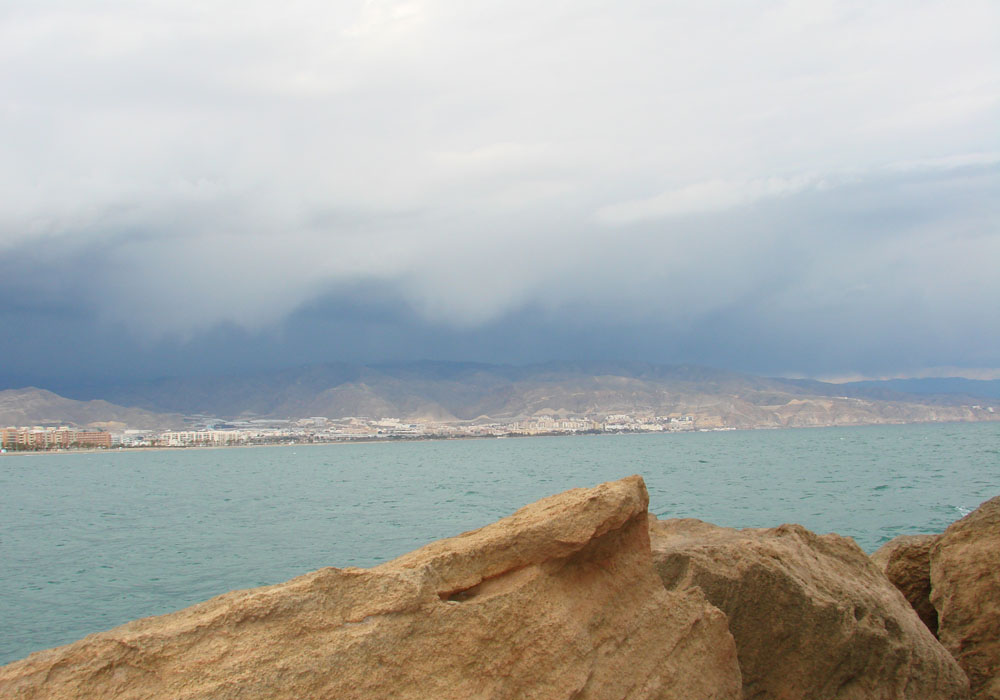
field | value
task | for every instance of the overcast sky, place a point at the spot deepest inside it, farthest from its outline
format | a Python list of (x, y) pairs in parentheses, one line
[(805, 188)]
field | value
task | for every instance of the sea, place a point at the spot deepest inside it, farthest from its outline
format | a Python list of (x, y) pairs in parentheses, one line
[(91, 540)]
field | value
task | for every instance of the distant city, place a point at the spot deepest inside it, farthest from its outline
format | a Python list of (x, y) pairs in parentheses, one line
[(344, 403), (330, 430)]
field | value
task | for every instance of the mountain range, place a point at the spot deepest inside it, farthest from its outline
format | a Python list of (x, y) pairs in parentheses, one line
[(449, 391), (31, 406)]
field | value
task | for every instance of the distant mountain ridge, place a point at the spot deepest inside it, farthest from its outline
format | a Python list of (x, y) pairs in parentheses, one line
[(469, 391), (31, 406), (951, 386)]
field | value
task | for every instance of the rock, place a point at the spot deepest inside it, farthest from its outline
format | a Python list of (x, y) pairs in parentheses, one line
[(559, 600), (965, 589), (813, 617), (906, 561)]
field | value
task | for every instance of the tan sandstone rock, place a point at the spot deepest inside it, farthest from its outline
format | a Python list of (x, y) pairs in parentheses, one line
[(813, 617), (965, 589), (559, 600), (906, 561)]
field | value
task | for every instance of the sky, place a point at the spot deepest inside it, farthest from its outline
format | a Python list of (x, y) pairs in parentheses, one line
[(786, 188)]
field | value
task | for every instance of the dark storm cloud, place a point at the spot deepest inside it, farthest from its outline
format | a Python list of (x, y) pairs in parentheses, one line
[(779, 188)]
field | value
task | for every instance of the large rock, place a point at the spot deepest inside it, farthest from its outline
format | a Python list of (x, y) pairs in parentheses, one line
[(965, 589), (813, 617), (906, 561), (559, 600)]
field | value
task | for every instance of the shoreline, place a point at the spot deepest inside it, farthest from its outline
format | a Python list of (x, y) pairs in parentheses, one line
[(372, 441)]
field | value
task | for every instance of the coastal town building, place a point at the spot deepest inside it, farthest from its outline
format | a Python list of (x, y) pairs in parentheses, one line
[(319, 429), (186, 438), (48, 438)]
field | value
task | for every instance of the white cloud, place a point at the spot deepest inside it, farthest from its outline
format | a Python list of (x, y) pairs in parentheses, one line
[(701, 197), (242, 158), (950, 162)]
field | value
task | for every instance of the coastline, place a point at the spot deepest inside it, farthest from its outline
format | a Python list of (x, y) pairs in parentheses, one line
[(454, 438)]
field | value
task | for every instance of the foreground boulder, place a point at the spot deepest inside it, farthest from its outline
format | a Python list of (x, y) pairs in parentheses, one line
[(559, 600), (906, 561), (965, 589), (813, 617)]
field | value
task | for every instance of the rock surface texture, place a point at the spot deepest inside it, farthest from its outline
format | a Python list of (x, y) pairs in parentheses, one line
[(559, 600), (813, 617), (965, 589), (906, 561)]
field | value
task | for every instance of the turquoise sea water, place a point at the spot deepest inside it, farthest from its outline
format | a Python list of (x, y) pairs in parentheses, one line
[(89, 541)]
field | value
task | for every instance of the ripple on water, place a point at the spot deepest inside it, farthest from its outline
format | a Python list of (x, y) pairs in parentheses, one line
[(91, 541)]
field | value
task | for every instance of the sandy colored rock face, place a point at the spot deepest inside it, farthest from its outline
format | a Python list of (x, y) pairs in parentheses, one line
[(813, 617), (906, 561), (559, 600), (965, 589)]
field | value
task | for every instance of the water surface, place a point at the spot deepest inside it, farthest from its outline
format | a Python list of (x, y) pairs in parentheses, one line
[(89, 541)]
